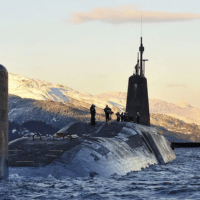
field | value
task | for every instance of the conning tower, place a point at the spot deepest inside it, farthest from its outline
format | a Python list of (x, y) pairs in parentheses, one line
[(137, 95)]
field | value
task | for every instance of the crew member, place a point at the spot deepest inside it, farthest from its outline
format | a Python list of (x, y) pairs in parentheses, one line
[(107, 111), (118, 116), (92, 112), (138, 118), (110, 114), (126, 117), (122, 116)]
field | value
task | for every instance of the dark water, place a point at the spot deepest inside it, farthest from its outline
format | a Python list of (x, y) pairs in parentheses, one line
[(179, 179)]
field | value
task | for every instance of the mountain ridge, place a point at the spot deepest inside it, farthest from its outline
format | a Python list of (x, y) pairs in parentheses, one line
[(43, 107), (43, 90)]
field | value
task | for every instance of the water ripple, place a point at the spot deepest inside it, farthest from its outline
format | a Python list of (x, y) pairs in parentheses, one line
[(178, 179)]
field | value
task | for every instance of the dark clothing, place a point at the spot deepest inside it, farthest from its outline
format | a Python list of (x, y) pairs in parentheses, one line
[(107, 117), (122, 117), (138, 118), (110, 114), (126, 117), (92, 112), (107, 111), (118, 116), (131, 118)]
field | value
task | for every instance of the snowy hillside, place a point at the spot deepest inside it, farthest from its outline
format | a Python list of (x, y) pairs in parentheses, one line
[(42, 90), (42, 107), (45, 116), (182, 110), (28, 116), (117, 99)]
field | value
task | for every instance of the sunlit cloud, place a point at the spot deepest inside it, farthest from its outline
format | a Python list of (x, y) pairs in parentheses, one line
[(125, 14)]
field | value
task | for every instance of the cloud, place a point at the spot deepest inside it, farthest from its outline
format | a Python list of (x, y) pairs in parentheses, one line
[(177, 85), (125, 14)]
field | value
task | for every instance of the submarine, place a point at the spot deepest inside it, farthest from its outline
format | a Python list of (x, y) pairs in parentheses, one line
[(81, 149)]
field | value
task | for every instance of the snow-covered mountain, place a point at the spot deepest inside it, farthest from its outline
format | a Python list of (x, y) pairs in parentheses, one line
[(181, 110), (37, 106), (28, 116), (42, 90)]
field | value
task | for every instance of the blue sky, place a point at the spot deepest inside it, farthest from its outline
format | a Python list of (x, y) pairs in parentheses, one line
[(38, 40)]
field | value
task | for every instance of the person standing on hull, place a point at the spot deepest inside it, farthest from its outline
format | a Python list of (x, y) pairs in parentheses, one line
[(138, 118), (122, 116), (110, 114), (118, 116), (126, 117), (92, 112), (107, 111)]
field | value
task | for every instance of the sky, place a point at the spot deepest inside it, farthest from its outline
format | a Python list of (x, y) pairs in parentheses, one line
[(91, 46)]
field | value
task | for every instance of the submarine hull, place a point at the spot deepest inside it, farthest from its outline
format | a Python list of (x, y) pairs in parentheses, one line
[(103, 149)]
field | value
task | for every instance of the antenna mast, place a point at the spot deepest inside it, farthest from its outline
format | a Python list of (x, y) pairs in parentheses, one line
[(141, 24)]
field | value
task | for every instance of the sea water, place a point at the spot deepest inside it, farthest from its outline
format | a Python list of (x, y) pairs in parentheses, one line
[(179, 179)]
